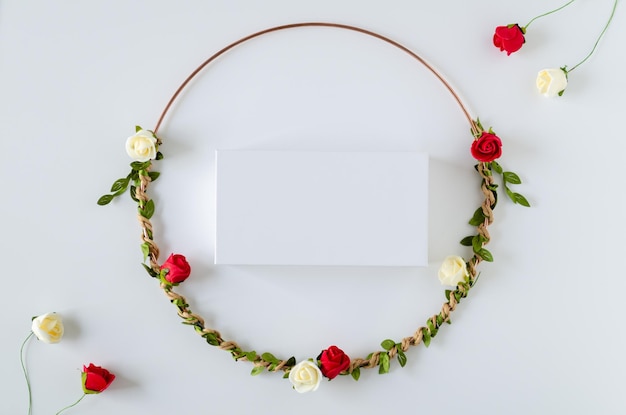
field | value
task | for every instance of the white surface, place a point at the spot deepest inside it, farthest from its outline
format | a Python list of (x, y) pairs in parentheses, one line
[(321, 208), (541, 333)]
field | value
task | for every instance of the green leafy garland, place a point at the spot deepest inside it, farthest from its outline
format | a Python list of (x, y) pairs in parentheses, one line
[(141, 176)]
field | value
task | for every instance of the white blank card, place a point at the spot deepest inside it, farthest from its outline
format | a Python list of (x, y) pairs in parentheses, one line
[(322, 208)]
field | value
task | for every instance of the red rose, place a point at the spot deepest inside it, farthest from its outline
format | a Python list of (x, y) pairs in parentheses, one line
[(178, 268), (509, 38), (96, 379), (487, 147), (333, 361)]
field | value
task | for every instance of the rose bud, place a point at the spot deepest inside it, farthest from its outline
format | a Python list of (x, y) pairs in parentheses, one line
[(48, 328), (453, 270), (305, 377), (177, 268), (487, 147), (141, 146), (96, 379), (509, 38), (552, 82), (333, 361)]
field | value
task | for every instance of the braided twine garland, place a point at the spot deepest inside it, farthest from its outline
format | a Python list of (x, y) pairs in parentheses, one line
[(267, 361)]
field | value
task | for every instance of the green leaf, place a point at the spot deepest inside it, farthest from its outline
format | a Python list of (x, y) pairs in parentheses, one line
[(401, 358), (431, 326), (105, 200), (138, 128), (159, 156), (291, 361), (120, 184), (388, 344), (511, 177), (383, 364), (268, 357), (148, 209), (496, 167), (251, 356), (150, 271), (467, 241), (154, 175), (211, 338), (426, 338), (478, 218), (145, 249), (133, 194), (518, 198), (356, 373), (485, 255), (256, 370), (448, 294), (477, 243), (139, 165)]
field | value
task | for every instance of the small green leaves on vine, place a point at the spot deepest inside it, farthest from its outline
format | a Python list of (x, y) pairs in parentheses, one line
[(145, 249), (401, 357), (509, 178), (148, 210), (495, 166), (478, 218), (150, 271), (256, 370), (356, 373), (105, 200), (269, 358), (485, 255), (384, 363), (477, 242), (388, 344)]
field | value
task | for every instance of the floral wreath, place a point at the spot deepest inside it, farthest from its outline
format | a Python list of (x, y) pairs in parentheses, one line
[(458, 273)]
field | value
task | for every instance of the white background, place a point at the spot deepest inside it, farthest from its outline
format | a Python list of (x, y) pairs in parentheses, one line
[(541, 333)]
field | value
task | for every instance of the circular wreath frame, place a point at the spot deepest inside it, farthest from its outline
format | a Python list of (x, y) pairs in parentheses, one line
[(142, 176)]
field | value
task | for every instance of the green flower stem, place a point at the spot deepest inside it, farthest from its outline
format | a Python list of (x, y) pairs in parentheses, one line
[(30, 395), (72, 405), (606, 26), (545, 14)]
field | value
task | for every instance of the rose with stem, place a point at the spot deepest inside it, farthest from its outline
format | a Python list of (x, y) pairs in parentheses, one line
[(553, 81), (510, 38), (48, 328)]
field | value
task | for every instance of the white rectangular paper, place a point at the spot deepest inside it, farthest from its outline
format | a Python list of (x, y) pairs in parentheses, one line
[(322, 208)]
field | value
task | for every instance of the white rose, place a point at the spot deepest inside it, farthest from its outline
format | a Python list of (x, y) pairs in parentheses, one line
[(453, 270), (141, 146), (552, 82), (305, 376), (48, 328)]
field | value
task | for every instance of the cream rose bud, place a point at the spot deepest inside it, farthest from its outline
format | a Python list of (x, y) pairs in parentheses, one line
[(48, 327), (305, 376), (453, 270), (141, 146), (552, 82)]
